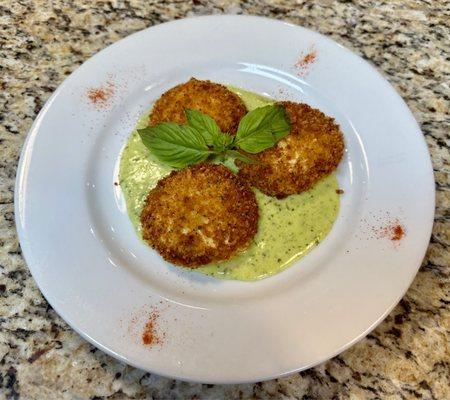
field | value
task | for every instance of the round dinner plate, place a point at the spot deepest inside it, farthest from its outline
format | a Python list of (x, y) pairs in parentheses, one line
[(88, 262)]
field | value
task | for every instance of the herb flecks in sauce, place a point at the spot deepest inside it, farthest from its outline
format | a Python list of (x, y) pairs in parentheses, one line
[(288, 228)]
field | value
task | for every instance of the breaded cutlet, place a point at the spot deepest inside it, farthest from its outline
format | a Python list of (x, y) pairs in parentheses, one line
[(312, 149), (213, 99), (200, 214)]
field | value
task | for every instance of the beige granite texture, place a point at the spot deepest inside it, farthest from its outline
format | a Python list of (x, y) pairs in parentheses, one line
[(406, 357)]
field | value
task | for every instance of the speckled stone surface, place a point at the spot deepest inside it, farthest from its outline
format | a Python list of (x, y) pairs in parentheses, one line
[(407, 356)]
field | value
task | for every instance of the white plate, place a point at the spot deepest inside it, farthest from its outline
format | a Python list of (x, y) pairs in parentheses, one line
[(91, 267)]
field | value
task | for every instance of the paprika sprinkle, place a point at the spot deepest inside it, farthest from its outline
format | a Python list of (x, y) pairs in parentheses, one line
[(394, 231), (397, 232), (100, 96), (150, 335), (305, 61)]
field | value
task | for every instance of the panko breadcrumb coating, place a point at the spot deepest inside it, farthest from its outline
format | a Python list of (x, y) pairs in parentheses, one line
[(213, 99), (200, 214), (312, 150)]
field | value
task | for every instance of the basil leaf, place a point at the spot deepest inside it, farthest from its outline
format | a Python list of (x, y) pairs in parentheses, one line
[(175, 145), (222, 142), (182, 145), (204, 124), (262, 128), (237, 155)]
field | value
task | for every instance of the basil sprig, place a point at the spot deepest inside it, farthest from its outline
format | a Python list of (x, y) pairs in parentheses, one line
[(201, 138)]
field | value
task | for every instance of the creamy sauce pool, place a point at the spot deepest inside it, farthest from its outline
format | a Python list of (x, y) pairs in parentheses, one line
[(288, 228)]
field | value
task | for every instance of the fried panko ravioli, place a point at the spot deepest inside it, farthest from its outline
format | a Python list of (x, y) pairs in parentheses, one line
[(213, 99), (312, 149), (200, 214)]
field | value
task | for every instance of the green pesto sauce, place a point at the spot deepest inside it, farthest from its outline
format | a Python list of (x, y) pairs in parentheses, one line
[(287, 230)]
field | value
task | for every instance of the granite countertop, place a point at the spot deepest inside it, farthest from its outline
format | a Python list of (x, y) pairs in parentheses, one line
[(407, 356)]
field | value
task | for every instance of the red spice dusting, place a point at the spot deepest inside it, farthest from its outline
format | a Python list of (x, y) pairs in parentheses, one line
[(146, 327), (393, 231), (97, 95), (305, 61), (397, 232), (150, 334), (101, 96)]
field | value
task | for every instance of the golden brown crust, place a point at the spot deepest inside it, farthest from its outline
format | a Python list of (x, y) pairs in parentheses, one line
[(213, 99), (312, 150), (200, 214)]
